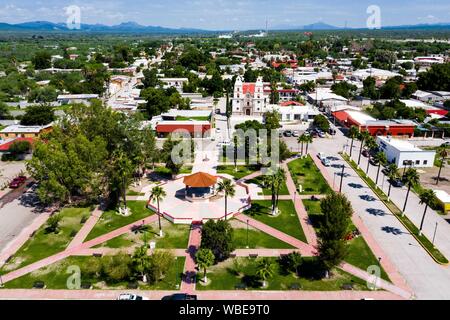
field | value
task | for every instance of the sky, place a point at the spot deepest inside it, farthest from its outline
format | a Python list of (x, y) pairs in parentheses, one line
[(227, 14)]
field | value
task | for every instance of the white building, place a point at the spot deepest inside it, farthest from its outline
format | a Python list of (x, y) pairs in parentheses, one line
[(326, 99), (294, 112), (177, 83), (249, 98), (402, 153)]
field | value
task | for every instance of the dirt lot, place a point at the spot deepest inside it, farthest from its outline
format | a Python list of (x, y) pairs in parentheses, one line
[(428, 178)]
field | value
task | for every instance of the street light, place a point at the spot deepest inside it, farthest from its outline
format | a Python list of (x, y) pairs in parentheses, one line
[(434, 236), (177, 286), (247, 233)]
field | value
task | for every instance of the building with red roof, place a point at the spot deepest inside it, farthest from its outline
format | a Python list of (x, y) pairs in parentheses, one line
[(4, 147)]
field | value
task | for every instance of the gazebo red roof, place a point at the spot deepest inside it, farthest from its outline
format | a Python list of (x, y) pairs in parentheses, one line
[(200, 180)]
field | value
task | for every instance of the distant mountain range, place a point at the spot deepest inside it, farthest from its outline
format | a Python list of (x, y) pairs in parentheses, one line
[(133, 27)]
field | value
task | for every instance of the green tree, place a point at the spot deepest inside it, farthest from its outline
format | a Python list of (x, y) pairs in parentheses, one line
[(4, 111), (117, 268), (141, 262), (53, 224), (292, 262), (370, 145), (38, 116), (353, 133), (363, 136), (344, 89), (392, 173), (160, 263), (229, 190), (435, 79), (334, 227), (411, 178), (205, 259), (218, 237), (427, 197), (381, 159), (265, 270), (443, 153), (42, 60), (321, 122), (158, 194)]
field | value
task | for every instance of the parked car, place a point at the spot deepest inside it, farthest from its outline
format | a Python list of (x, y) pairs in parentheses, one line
[(17, 182), (180, 296), (365, 153), (131, 297), (397, 183), (321, 155), (332, 132), (295, 133), (326, 162), (373, 162), (287, 133), (321, 134)]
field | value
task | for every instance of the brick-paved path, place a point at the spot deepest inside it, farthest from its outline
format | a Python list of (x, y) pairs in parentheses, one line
[(86, 229), (303, 217), (305, 249), (189, 277)]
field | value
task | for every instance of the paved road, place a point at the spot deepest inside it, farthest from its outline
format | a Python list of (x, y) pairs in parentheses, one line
[(428, 279), (16, 213)]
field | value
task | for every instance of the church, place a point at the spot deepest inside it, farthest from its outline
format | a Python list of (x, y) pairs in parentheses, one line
[(250, 99)]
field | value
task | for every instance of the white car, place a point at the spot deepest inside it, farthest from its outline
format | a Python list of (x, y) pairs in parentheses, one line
[(131, 297), (321, 156), (326, 162)]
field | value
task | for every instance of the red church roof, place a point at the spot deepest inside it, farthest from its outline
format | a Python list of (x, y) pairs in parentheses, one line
[(248, 87)]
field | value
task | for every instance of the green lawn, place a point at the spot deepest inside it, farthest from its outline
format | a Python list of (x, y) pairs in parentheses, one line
[(175, 236), (257, 239), (44, 244), (304, 172), (286, 221), (359, 253), (134, 193), (164, 172), (111, 220), (55, 276), (233, 272), (267, 191), (242, 171), (180, 118)]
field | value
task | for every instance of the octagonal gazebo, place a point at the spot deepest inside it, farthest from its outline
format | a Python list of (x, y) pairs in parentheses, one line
[(200, 186)]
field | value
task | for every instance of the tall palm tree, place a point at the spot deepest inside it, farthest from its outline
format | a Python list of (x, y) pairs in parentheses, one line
[(426, 197), (353, 133), (411, 178), (158, 194), (279, 180), (392, 173), (228, 188), (370, 144), (443, 154), (301, 140), (308, 140), (381, 159), (364, 136)]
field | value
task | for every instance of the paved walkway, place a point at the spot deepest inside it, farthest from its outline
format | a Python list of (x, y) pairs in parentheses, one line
[(86, 229), (190, 272), (302, 214), (305, 249)]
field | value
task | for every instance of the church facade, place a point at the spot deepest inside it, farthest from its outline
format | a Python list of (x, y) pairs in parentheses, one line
[(250, 99)]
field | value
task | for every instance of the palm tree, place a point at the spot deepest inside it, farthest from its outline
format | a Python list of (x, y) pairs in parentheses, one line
[(443, 154), (301, 140), (265, 270), (227, 187), (364, 136), (279, 180), (308, 140), (370, 144), (392, 173), (426, 197), (411, 178), (381, 159), (124, 169), (353, 132), (158, 194)]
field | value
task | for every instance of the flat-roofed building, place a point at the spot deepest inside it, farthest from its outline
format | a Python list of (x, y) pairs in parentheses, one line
[(19, 131), (405, 154)]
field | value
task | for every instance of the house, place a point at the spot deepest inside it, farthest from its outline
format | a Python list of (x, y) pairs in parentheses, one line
[(19, 131), (365, 122), (5, 145), (430, 110), (76, 98), (403, 153), (326, 99), (292, 111), (378, 74), (177, 83), (428, 61), (196, 122)]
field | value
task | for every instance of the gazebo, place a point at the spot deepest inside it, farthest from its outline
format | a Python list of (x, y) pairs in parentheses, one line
[(200, 186)]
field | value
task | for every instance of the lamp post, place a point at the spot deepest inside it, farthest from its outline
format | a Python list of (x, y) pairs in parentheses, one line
[(295, 195), (342, 178), (434, 236), (247, 234), (177, 286)]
